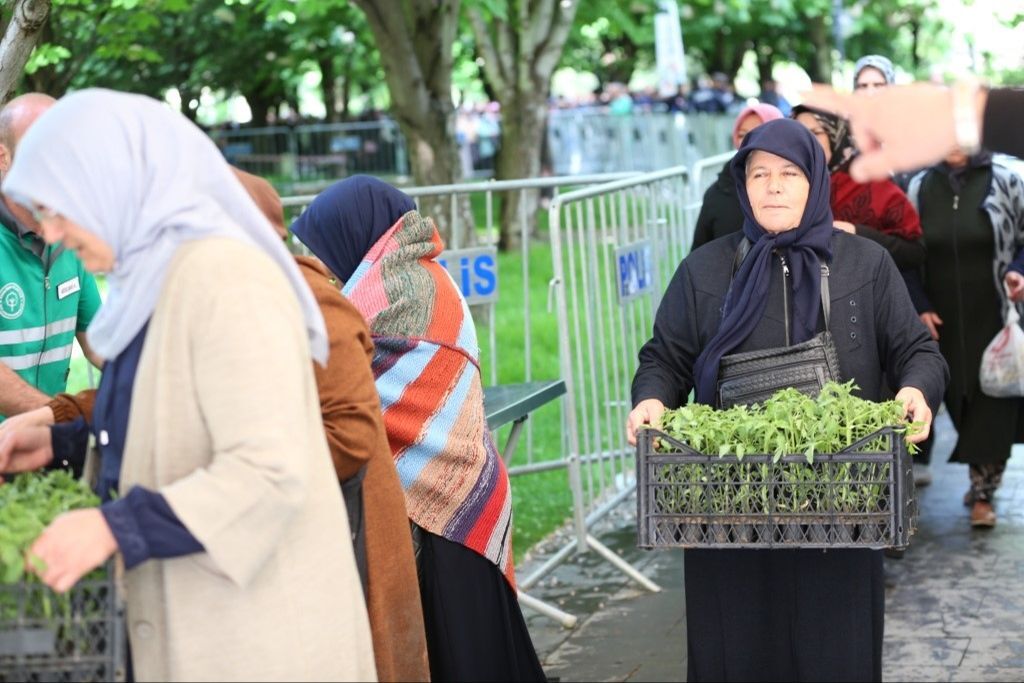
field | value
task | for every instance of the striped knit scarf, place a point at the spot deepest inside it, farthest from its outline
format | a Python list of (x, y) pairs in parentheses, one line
[(426, 368)]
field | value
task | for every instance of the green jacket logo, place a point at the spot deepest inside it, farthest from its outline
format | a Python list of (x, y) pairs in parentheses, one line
[(12, 301)]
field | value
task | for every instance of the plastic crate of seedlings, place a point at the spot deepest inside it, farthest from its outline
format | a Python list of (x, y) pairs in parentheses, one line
[(77, 636), (795, 472)]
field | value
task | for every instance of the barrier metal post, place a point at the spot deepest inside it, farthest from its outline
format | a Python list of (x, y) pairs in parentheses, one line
[(614, 248)]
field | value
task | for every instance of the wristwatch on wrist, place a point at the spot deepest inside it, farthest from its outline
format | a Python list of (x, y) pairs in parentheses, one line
[(967, 127)]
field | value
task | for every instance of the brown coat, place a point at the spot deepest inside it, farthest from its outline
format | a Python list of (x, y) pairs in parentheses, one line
[(355, 435)]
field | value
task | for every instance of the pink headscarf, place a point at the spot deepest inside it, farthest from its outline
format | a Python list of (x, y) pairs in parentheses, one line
[(766, 112)]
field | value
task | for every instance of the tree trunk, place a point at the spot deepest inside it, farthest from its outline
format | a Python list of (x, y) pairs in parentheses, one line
[(520, 55), (27, 18), (328, 86), (260, 108), (434, 161), (346, 90), (821, 67), (915, 32), (415, 39), (522, 137), (765, 63)]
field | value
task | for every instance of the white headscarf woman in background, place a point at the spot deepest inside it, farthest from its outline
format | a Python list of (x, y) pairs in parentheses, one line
[(228, 519)]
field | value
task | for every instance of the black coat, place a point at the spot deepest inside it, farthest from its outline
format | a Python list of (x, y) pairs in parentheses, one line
[(720, 214), (874, 324), (959, 286), (790, 614)]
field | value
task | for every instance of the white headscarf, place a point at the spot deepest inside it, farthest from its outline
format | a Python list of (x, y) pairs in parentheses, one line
[(146, 180)]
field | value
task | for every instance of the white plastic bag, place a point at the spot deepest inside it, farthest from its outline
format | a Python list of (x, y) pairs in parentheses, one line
[(1002, 364)]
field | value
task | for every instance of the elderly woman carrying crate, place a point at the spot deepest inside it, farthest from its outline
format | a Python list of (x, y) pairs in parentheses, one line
[(785, 614)]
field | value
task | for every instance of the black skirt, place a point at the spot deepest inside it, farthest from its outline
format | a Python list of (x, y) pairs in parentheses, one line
[(475, 628), (784, 615)]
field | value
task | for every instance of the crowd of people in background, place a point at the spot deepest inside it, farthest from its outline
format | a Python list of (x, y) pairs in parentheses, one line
[(714, 94)]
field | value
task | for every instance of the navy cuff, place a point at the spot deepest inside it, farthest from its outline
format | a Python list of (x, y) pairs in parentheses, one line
[(124, 526), (146, 527), (70, 443)]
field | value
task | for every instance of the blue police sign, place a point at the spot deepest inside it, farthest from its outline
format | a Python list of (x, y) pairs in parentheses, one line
[(475, 272), (634, 266)]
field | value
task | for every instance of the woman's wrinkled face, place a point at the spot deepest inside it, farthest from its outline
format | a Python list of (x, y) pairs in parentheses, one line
[(95, 254), (777, 189), (749, 123), (869, 80), (811, 123)]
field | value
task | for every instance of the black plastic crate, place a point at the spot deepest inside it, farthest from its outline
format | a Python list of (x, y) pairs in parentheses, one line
[(860, 497), (76, 637)]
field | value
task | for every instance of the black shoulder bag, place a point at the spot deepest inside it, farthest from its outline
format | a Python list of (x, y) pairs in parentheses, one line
[(753, 376)]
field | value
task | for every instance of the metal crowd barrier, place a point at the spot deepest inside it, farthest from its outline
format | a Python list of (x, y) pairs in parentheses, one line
[(582, 141), (614, 249), (316, 152)]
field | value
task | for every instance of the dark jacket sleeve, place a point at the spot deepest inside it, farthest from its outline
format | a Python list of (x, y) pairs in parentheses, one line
[(915, 287), (1001, 125), (70, 443), (910, 357), (908, 254), (666, 361)]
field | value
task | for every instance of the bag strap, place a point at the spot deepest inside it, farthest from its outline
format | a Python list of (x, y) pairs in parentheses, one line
[(826, 298), (743, 248)]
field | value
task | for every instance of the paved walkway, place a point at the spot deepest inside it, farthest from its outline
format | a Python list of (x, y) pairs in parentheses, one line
[(954, 603)]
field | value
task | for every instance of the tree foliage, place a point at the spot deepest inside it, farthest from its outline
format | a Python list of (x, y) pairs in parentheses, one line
[(612, 39), (720, 32), (257, 48)]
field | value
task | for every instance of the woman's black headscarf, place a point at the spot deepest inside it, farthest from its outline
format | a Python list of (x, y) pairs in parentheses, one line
[(840, 142), (804, 248), (346, 220)]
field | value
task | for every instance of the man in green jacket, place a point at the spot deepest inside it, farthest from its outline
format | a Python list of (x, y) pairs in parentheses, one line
[(47, 298)]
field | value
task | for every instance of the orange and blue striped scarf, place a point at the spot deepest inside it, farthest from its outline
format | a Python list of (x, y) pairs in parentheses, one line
[(426, 365)]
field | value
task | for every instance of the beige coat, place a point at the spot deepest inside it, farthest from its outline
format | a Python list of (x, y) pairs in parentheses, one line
[(225, 422)]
